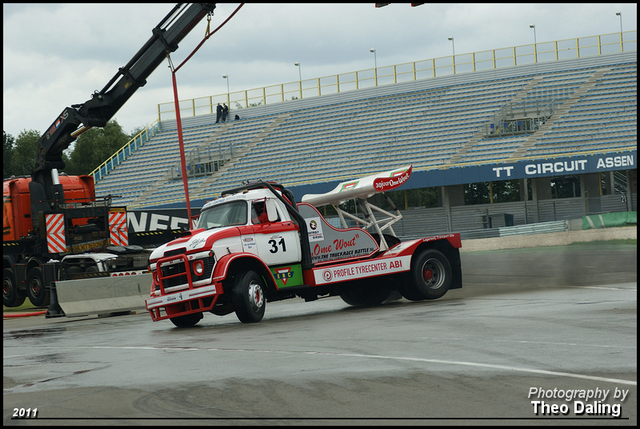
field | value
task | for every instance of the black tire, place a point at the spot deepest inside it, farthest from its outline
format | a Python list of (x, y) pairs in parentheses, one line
[(187, 320), (36, 290), (366, 293), (10, 295), (249, 298), (408, 289), (431, 274)]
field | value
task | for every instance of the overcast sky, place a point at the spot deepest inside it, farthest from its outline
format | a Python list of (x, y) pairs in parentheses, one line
[(56, 55)]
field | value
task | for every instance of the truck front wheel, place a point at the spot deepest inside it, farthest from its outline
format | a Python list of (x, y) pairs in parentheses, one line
[(248, 297), (186, 320)]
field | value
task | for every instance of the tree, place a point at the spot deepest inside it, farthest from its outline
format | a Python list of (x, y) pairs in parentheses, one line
[(565, 187), (476, 193), (96, 146), (505, 191), (136, 131), (23, 157), (7, 150), (419, 197)]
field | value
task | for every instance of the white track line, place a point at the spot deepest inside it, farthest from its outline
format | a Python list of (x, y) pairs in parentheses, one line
[(381, 357)]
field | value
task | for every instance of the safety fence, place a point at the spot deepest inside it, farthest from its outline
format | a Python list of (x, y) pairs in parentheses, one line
[(435, 67)]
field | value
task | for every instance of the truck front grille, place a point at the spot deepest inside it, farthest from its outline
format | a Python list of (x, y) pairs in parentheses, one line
[(175, 274), (169, 270)]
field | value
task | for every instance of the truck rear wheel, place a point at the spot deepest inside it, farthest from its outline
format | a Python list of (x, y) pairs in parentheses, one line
[(10, 295), (430, 276), (248, 297), (38, 293), (186, 320)]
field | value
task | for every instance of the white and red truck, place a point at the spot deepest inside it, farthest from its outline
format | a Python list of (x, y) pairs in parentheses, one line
[(255, 245)]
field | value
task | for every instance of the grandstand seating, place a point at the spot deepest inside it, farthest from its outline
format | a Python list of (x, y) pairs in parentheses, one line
[(428, 128), (603, 118)]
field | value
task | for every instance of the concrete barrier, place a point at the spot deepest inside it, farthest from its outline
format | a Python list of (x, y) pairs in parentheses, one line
[(103, 295), (550, 239), (108, 295)]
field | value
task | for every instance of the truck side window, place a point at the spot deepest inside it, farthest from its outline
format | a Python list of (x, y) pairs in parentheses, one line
[(258, 213)]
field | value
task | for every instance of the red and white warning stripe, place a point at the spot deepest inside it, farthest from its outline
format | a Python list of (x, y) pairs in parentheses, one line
[(118, 228), (56, 242)]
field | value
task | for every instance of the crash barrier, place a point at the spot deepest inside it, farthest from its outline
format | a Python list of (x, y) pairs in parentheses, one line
[(535, 228), (554, 239), (608, 220), (108, 295), (103, 295)]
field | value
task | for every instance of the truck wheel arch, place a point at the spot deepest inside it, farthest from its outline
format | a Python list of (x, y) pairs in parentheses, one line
[(34, 262), (450, 252), (7, 262), (229, 266)]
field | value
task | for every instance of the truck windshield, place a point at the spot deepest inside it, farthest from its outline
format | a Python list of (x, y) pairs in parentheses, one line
[(227, 214)]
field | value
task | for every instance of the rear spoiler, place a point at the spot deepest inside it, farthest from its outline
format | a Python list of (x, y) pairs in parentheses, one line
[(361, 188)]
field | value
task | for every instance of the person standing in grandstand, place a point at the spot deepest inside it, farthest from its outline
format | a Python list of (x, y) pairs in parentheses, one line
[(225, 110), (218, 113)]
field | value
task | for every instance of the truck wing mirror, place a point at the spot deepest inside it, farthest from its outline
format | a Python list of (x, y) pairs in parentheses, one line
[(272, 211)]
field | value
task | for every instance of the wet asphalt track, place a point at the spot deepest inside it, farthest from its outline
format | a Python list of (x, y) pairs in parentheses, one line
[(560, 318)]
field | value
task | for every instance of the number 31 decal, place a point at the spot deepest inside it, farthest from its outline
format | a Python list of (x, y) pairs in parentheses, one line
[(274, 245)]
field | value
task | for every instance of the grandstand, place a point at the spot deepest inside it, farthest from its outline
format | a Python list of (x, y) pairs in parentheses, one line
[(530, 122)]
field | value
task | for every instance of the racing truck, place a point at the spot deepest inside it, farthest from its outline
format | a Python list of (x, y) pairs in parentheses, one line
[(254, 244), (54, 227)]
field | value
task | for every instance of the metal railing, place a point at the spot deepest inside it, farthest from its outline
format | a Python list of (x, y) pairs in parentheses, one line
[(204, 161), (125, 151), (513, 118), (442, 66)]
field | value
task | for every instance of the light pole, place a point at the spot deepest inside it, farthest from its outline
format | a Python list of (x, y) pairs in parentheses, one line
[(225, 77), (535, 49), (300, 76), (375, 66), (453, 47), (620, 15)]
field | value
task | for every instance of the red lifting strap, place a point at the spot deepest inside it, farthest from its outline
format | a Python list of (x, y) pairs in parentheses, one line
[(207, 37), (178, 120)]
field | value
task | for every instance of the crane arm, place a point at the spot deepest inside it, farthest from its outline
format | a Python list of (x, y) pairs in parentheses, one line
[(104, 104)]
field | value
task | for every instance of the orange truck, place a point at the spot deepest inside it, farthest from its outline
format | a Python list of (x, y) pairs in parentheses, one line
[(79, 225), (54, 228)]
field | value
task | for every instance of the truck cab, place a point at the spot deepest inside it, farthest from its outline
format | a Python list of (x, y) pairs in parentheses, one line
[(252, 225), (263, 224)]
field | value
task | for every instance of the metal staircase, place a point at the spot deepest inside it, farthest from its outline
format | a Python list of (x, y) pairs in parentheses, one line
[(202, 187)]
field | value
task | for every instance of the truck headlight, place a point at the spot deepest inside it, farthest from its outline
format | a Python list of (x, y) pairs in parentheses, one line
[(198, 267)]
